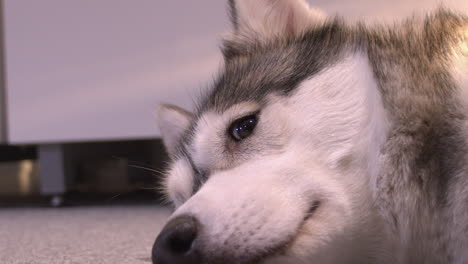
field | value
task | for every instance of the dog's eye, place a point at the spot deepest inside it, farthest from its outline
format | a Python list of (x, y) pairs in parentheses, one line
[(243, 127)]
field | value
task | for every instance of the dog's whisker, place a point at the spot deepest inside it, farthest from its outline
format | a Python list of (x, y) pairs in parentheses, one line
[(145, 168)]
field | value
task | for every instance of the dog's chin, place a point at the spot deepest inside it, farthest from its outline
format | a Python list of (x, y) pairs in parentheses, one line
[(293, 253), (286, 252)]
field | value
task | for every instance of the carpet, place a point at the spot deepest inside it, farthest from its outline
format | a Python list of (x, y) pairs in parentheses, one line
[(80, 235)]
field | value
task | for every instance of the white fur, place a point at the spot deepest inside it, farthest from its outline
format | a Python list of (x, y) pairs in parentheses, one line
[(326, 138), (179, 183), (342, 108), (347, 110)]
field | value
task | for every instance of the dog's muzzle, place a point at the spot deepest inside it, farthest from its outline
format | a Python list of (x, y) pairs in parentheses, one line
[(176, 242)]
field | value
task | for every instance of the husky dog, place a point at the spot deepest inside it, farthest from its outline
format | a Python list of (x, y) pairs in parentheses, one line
[(323, 142)]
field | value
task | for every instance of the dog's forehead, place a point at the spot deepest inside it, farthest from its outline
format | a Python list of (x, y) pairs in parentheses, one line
[(278, 66)]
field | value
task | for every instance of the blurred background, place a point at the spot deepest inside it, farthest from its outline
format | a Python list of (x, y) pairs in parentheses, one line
[(79, 81)]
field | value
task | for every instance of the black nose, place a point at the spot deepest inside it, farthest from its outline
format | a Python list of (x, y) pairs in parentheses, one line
[(176, 242)]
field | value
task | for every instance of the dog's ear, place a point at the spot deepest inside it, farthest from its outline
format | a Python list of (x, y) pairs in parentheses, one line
[(173, 121), (264, 19)]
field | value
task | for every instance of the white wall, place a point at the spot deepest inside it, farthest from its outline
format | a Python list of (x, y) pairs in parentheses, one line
[(94, 70), (2, 118), (88, 70), (3, 128), (2, 112)]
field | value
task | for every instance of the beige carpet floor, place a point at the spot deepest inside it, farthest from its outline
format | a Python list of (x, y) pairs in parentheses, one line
[(80, 235)]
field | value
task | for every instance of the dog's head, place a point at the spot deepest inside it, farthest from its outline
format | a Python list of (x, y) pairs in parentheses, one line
[(277, 164)]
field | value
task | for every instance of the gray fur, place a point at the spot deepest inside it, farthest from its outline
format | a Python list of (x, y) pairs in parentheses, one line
[(427, 136), (425, 158)]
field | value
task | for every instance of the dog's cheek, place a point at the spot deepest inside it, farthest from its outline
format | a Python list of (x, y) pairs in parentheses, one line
[(178, 184)]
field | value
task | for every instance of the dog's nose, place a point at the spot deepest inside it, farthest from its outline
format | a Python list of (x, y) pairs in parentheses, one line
[(176, 242)]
